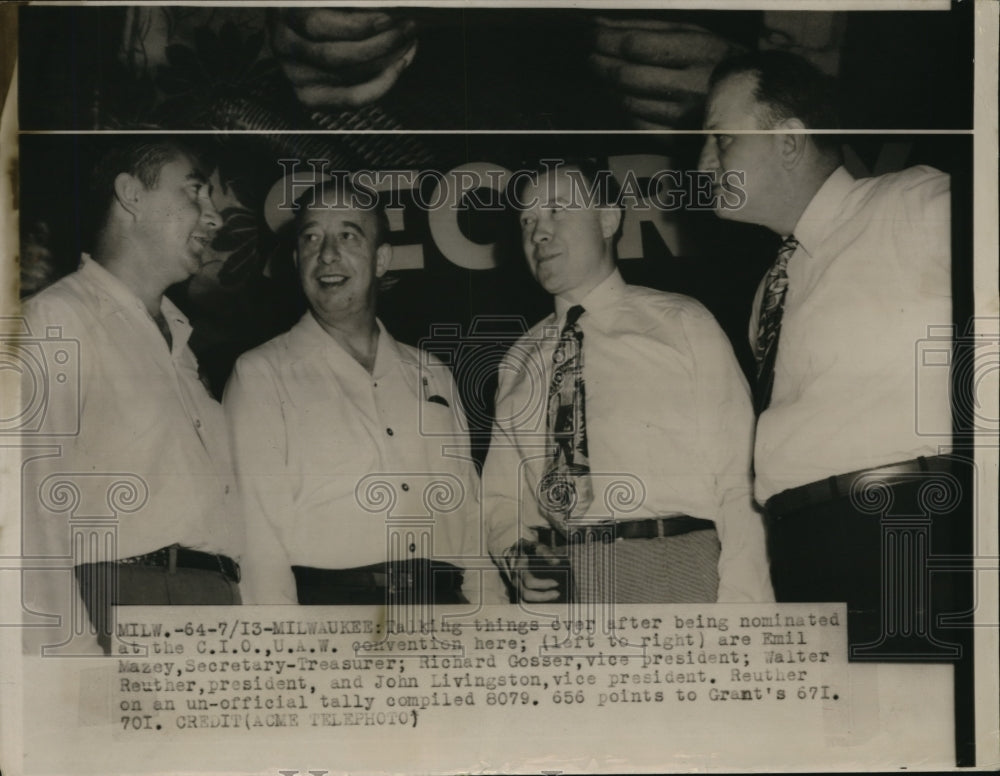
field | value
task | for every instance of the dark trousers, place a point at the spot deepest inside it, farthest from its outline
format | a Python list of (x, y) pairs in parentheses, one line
[(398, 583), (884, 550), (103, 585)]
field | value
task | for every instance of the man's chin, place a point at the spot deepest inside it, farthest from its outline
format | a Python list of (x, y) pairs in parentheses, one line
[(550, 282)]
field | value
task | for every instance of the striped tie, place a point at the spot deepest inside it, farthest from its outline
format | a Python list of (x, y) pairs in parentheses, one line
[(769, 323)]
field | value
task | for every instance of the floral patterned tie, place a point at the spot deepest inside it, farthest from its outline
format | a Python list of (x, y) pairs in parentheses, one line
[(566, 488), (769, 323)]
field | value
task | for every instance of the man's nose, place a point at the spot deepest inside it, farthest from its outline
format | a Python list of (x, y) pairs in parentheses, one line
[(209, 215), (328, 252), (709, 159), (541, 232)]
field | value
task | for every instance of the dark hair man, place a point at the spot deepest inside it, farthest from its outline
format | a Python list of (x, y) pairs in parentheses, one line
[(863, 271), (623, 426), (147, 425)]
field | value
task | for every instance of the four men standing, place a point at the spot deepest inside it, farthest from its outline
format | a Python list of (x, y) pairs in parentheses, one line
[(620, 462)]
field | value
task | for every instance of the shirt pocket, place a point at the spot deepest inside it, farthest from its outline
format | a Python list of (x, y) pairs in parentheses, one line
[(436, 419)]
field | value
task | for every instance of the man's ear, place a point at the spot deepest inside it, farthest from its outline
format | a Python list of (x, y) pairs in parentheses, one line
[(128, 192), (611, 217), (791, 146), (383, 258)]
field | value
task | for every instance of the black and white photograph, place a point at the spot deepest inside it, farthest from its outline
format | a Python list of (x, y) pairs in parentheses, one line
[(439, 388)]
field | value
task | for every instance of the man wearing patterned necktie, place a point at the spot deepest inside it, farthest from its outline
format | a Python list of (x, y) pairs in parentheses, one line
[(619, 466), (863, 271)]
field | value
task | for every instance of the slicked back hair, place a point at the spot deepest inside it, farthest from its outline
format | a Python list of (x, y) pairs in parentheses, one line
[(788, 86)]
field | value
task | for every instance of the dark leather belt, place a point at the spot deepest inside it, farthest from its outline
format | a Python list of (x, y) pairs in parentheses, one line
[(839, 486), (401, 575), (176, 556), (651, 528)]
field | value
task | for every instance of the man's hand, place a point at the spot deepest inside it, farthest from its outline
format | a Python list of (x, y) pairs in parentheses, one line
[(659, 70), (528, 573), (338, 59)]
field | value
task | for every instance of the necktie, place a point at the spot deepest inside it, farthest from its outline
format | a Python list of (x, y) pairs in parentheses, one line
[(769, 323), (565, 488)]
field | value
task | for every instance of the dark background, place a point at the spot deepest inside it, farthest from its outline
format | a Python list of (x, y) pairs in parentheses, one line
[(476, 69)]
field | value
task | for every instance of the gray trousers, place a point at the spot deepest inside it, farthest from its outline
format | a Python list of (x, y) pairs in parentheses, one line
[(665, 570)]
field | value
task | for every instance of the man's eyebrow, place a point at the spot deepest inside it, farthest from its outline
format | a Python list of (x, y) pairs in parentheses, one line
[(309, 222), (197, 176), (356, 227)]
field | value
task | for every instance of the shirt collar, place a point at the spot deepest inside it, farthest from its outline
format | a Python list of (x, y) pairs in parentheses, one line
[(824, 210), (388, 353), (115, 294), (312, 335), (600, 299)]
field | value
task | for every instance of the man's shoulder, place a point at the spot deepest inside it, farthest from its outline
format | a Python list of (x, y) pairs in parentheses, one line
[(891, 189), (66, 302), (663, 303), (270, 354), (542, 330)]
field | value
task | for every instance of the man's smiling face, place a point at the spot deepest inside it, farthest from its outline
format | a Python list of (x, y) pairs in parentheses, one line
[(339, 261)]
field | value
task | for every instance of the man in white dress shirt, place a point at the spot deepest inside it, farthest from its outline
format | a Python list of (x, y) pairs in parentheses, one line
[(151, 447), (623, 487), (338, 429), (863, 272)]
